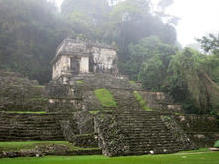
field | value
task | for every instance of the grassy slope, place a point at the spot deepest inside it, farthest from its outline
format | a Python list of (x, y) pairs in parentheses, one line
[(105, 97), (178, 158)]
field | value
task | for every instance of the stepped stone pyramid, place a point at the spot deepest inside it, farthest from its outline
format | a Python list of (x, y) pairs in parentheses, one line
[(91, 105), (125, 129)]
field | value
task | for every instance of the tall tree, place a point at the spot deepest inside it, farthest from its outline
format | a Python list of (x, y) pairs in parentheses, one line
[(29, 35), (188, 72)]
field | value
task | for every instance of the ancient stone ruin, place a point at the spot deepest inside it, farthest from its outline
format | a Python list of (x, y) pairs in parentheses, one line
[(91, 105), (74, 57)]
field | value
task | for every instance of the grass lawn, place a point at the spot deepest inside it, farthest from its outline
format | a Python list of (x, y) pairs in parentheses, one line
[(15, 146), (190, 157)]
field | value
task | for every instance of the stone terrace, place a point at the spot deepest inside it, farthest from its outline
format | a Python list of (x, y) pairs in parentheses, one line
[(23, 127)]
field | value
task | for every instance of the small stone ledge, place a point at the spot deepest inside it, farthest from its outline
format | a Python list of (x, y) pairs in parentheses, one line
[(214, 149), (15, 154)]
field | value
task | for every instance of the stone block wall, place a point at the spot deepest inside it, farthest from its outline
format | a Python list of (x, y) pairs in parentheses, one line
[(202, 129), (139, 132), (160, 101), (85, 141), (18, 93), (22, 127)]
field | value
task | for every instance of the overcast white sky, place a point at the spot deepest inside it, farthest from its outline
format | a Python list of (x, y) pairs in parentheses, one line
[(198, 18)]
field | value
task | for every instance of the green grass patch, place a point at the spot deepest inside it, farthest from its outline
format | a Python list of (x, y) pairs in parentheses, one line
[(26, 112), (190, 158), (94, 112), (132, 82), (80, 82), (39, 86), (105, 97), (141, 101), (15, 146), (216, 144)]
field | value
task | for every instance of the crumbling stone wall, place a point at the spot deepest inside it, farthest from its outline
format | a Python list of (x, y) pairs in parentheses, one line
[(64, 98), (178, 132), (85, 141), (110, 135), (139, 132), (22, 127), (18, 93), (63, 64), (160, 101), (202, 129)]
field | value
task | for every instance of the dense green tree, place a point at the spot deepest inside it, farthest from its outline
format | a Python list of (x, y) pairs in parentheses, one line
[(86, 17), (132, 20), (210, 43), (190, 82), (29, 34), (148, 61)]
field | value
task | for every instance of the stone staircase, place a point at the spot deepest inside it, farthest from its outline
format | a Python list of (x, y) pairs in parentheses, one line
[(147, 133), (141, 132), (23, 127), (125, 100)]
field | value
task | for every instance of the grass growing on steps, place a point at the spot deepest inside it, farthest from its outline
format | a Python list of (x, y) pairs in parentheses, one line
[(39, 86), (178, 158), (16, 146), (141, 101), (132, 82), (80, 82), (94, 112), (105, 97)]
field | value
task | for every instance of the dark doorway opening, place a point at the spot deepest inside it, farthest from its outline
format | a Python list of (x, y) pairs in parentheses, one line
[(75, 65)]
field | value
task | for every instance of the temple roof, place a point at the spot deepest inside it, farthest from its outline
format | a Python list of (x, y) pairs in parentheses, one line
[(77, 47)]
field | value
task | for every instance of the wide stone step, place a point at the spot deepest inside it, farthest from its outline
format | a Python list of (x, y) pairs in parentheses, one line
[(151, 147), (149, 128), (28, 121), (29, 127), (138, 118), (153, 135), (31, 131), (149, 151), (141, 124), (152, 140), (152, 143)]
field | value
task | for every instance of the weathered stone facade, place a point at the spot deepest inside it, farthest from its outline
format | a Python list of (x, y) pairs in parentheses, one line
[(74, 57)]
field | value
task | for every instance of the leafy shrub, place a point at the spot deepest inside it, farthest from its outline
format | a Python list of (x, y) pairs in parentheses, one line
[(216, 144)]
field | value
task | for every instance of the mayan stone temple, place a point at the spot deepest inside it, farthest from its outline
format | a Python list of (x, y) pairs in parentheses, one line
[(91, 105), (75, 57), (86, 72)]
